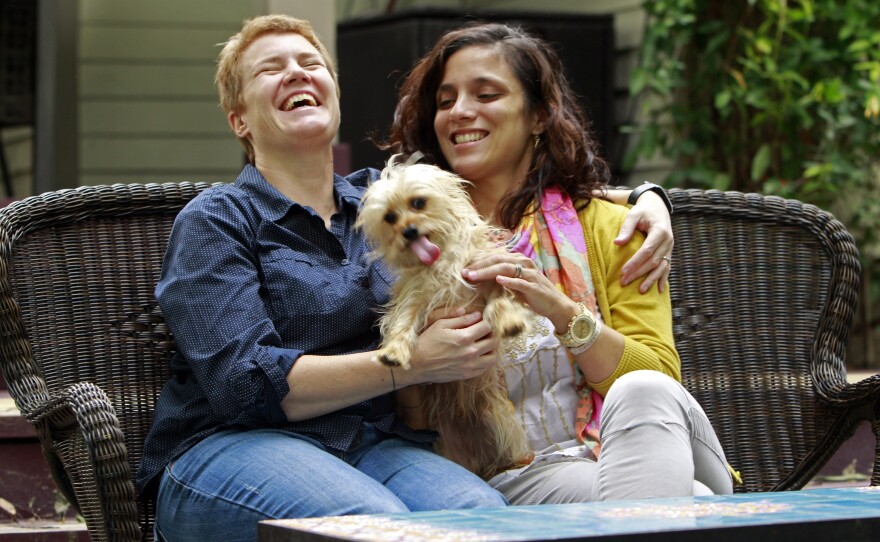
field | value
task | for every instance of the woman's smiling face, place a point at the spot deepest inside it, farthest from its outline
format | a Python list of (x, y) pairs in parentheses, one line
[(483, 125), (288, 94)]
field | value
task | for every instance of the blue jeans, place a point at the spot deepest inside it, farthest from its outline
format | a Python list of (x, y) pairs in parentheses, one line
[(225, 484)]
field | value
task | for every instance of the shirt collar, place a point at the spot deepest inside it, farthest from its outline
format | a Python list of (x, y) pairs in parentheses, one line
[(274, 205)]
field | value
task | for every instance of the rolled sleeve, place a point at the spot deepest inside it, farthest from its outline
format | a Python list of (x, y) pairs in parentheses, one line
[(210, 294), (275, 364)]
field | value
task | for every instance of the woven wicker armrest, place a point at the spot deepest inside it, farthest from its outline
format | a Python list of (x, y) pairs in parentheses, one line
[(85, 347), (764, 290), (849, 394), (85, 449)]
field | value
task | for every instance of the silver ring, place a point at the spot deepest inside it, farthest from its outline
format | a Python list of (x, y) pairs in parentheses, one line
[(668, 259), (518, 273)]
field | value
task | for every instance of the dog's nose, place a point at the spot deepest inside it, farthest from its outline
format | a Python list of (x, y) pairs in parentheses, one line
[(411, 232)]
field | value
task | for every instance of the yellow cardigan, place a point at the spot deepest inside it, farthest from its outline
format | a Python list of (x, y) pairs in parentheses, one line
[(645, 320)]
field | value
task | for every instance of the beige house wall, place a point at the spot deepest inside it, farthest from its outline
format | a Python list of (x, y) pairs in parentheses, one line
[(147, 106)]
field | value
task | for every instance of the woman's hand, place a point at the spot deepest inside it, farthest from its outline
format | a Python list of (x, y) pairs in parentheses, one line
[(456, 346), (648, 215), (519, 274)]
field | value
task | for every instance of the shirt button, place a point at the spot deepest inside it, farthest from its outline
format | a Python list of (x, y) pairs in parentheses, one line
[(344, 261)]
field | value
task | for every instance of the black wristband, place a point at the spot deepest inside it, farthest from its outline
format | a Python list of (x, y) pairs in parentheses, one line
[(649, 187)]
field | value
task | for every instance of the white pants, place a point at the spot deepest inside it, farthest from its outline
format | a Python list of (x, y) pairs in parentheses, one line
[(656, 442)]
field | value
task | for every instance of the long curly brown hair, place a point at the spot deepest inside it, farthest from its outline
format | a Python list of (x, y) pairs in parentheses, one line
[(567, 154)]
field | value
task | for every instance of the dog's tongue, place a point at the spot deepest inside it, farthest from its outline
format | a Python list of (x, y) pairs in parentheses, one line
[(426, 251)]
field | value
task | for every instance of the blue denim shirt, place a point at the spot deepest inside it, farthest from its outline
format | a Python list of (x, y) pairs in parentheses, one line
[(250, 282)]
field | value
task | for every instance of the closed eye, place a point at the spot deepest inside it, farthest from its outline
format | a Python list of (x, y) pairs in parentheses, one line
[(311, 61), (267, 71), (268, 67)]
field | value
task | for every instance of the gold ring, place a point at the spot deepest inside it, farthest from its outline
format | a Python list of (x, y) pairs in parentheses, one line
[(518, 272)]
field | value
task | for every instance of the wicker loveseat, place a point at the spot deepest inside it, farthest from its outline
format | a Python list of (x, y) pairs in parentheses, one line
[(764, 291)]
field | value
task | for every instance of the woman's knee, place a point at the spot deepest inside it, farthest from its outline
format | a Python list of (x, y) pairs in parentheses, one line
[(645, 389), (423, 480), (218, 519), (643, 383), (475, 495), (301, 480), (643, 397)]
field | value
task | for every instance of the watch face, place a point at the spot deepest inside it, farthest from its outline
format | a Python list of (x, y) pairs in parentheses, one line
[(582, 329)]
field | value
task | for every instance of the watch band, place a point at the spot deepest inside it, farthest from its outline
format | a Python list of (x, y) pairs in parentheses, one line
[(650, 187), (578, 350), (566, 338), (577, 346)]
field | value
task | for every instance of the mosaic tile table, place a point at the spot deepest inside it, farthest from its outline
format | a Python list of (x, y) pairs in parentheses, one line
[(851, 514)]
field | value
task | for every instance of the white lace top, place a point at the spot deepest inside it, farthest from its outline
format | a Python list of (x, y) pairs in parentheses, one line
[(540, 381)]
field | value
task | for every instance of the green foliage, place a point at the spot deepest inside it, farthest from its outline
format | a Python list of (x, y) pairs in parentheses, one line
[(771, 96)]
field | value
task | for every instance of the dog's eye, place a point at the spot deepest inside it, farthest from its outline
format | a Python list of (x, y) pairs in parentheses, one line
[(418, 203), (390, 217)]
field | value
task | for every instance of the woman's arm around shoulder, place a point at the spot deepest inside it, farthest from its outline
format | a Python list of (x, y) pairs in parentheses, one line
[(650, 214), (643, 320)]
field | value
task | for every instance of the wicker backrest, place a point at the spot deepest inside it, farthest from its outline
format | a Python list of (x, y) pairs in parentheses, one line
[(764, 291), (76, 294)]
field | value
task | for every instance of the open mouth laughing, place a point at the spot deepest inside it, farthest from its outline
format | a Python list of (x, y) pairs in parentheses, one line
[(298, 100)]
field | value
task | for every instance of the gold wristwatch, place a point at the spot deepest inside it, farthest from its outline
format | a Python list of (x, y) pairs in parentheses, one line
[(583, 329)]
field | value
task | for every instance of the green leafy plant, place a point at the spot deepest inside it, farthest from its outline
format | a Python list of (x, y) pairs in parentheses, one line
[(772, 96)]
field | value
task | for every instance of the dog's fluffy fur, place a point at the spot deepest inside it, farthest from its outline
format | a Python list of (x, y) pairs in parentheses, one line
[(424, 205)]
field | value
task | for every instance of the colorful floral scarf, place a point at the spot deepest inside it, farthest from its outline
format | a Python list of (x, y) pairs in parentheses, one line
[(554, 239)]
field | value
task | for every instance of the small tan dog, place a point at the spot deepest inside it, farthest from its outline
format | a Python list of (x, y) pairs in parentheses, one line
[(422, 222)]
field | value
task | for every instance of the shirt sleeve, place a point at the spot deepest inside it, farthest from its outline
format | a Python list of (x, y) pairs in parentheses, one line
[(645, 320), (210, 293)]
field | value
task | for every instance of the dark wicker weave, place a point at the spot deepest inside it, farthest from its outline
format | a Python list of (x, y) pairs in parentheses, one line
[(763, 292), (84, 347), (763, 295)]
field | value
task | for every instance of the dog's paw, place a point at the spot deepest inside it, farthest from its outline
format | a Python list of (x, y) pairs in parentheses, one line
[(385, 359), (396, 353), (511, 322), (512, 329), (390, 360), (507, 318)]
